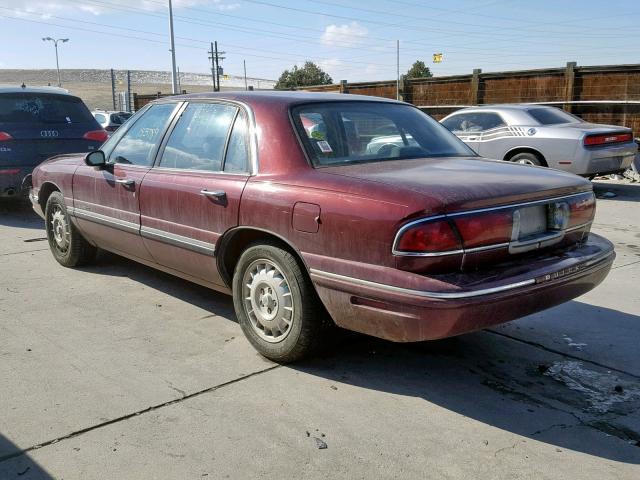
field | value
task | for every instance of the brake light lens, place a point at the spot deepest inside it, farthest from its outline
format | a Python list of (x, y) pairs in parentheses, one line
[(593, 140), (582, 210), (485, 228), (428, 237), (4, 136), (96, 135)]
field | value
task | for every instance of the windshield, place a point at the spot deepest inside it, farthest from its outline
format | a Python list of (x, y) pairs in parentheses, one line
[(551, 116), (349, 132), (42, 108)]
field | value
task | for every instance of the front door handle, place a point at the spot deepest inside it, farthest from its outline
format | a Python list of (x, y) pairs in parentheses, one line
[(125, 181), (213, 193)]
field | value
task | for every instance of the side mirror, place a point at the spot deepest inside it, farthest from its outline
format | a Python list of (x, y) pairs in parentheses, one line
[(95, 159)]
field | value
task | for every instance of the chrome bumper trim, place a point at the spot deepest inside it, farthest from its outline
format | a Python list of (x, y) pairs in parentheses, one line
[(449, 295)]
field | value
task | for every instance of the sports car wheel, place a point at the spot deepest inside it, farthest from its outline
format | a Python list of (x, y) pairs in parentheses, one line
[(527, 159), (68, 246), (276, 304)]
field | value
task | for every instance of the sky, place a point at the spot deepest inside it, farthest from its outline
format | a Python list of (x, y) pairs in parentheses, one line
[(350, 39)]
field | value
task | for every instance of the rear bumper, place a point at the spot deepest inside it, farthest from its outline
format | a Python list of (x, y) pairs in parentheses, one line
[(407, 314), (604, 160), (11, 180)]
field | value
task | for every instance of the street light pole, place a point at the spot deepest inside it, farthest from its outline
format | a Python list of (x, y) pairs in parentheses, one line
[(55, 43), (174, 76)]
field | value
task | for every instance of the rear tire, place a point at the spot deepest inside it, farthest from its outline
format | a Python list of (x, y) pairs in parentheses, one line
[(527, 158), (67, 245), (276, 304)]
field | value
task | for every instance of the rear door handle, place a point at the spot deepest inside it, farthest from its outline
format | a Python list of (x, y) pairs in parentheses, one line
[(125, 181), (213, 193)]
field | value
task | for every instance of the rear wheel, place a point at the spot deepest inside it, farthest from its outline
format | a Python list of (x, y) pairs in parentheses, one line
[(68, 246), (527, 158), (276, 304)]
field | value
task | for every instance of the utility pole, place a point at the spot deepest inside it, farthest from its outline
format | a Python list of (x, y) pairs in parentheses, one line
[(179, 85), (397, 69), (244, 64), (55, 43), (174, 79), (213, 67), (113, 88)]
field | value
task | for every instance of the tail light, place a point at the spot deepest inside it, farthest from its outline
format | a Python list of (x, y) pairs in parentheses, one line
[(607, 139), (582, 210), (434, 236), (485, 228), (4, 136), (96, 135)]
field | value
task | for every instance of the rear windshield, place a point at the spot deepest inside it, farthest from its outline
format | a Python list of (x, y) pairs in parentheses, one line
[(119, 118), (551, 116), (42, 108), (350, 132)]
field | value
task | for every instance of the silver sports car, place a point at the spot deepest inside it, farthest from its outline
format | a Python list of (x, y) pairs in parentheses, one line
[(544, 136)]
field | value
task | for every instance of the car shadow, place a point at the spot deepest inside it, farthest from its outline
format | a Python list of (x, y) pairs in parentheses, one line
[(19, 466), (18, 213), (627, 192), (486, 376)]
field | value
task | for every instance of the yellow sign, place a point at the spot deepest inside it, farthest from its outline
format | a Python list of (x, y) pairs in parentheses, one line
[(437, 57), (225, 77)]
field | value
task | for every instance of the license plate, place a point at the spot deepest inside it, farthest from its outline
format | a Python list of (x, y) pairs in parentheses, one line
[(533, 221)]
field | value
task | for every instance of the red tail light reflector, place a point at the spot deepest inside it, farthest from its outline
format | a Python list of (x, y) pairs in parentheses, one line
[(593, 140), (485, 228), (11, 171), (4, 136), (96, 135), (428, 237)]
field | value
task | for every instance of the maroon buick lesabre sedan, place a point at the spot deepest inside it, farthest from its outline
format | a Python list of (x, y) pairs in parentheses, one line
[(279, 199)]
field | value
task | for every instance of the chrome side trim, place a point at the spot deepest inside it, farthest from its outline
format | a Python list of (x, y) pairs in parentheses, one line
[(197, 246), (123, 225), (448, 295), (578, 227), (421, 293)]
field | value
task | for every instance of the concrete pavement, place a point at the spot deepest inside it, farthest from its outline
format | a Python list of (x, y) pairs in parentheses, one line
[(119, 371)]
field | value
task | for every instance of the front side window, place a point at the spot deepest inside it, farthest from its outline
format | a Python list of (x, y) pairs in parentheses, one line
[(473, 122), (198, 141), (349, 132), (137, 144)]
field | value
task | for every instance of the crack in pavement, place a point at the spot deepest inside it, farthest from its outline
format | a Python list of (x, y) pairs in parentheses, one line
[(24, 251), (564, 354), (134, 414)]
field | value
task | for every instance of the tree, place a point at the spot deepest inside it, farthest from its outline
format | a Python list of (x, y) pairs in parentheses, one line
[(419, 70), (310, 74)]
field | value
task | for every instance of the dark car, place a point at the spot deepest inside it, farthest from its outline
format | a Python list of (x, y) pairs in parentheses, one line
[(37, 123), (306, 226), (111, 120)]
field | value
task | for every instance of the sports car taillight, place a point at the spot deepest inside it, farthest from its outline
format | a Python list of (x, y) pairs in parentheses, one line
[(4, 136), (483, 229), (435, 236), (594, 140), (96, 135)]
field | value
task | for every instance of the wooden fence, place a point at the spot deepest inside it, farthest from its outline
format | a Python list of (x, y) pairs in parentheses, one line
[(600, 94)]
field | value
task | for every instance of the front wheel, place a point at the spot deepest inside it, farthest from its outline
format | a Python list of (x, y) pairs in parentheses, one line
[(68, 246), (276, 304)]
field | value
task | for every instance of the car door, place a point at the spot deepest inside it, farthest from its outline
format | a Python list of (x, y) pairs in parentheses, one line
[(106, 200), (465, 127), (192, 195)]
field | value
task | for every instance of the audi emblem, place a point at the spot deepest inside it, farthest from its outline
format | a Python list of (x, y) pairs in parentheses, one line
[(49, 133)]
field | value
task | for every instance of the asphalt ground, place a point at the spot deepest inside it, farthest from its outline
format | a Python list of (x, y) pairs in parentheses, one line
[(117, 371)]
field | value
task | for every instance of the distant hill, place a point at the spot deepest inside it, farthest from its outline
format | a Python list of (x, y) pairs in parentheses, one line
[(94, 86)]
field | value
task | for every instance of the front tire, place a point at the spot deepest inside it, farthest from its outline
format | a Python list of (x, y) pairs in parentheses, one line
[(67, 245), (276, 304)]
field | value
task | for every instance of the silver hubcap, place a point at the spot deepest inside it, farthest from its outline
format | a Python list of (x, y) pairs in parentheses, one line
[(526, 161), (60, 229), (267, 300)]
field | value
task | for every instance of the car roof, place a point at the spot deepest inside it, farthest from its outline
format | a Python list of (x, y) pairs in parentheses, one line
[(283, 97), (47, 89)]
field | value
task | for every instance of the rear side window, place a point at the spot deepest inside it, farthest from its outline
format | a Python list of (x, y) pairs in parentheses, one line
[(100, 118), (551, 116), (137, 145), (338, 133), (199, 139), (237, 158), (43, 108)]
